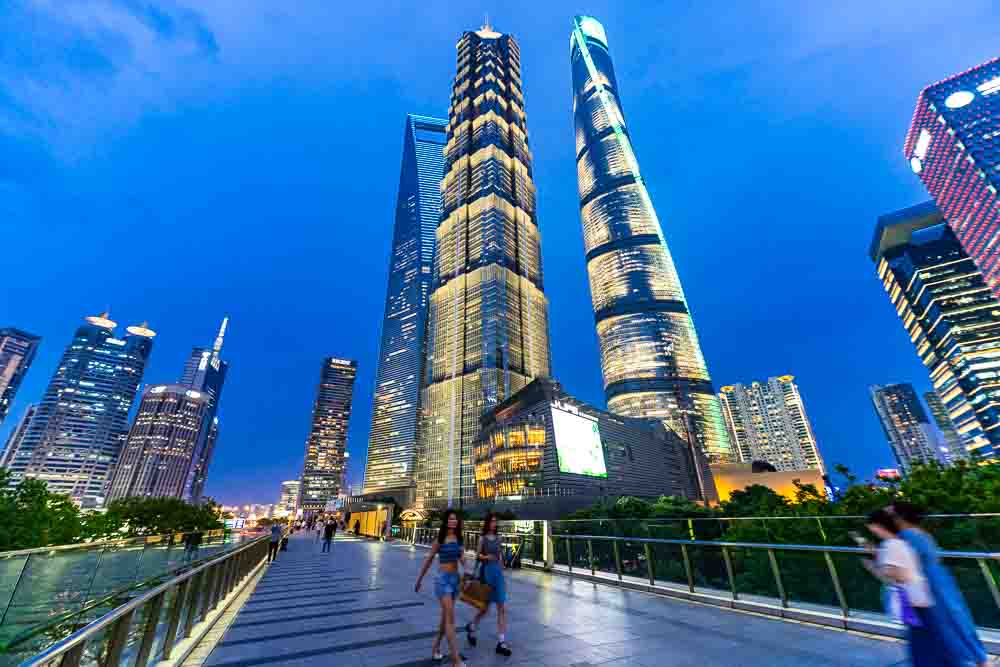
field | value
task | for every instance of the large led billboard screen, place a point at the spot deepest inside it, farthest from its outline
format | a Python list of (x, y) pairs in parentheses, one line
[(578, 444)]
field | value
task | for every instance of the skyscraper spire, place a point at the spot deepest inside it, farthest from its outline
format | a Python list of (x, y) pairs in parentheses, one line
[(218, 339)]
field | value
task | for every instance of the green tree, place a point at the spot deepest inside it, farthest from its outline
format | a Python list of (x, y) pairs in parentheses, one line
[(139, 516), (32, 516)]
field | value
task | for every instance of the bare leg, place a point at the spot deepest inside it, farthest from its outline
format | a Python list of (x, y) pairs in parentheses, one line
[(448, 604), (479, 617), (436, 648), (501, 618)]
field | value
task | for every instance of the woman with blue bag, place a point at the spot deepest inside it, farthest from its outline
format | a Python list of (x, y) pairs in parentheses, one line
[(908, 596), (491, 573)]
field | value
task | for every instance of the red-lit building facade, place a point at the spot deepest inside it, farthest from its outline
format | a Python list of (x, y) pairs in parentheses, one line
[(954, 147)]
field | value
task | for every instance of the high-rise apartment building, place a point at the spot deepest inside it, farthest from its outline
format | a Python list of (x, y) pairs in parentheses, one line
[(954, 147), (767, 422), (326, 446), (488, 332), (17, 351), (78, 430), (288, 503), (171, 440), (650, 355), (905, 424), (950, 446), (951, 316), (392, 439), (160, 450)]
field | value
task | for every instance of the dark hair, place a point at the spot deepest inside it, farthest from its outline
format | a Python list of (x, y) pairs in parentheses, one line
[(443, 530), (908, 512), (490, 517), (883, 519)]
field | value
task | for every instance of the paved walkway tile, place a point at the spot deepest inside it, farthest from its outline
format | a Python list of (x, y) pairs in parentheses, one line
[(357, 607)]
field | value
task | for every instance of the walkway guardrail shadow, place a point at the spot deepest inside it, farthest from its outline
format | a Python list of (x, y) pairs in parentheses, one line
[(149, 627)]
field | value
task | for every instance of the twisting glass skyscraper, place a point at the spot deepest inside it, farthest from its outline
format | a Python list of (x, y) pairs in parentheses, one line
[(392, 440), (488, 333), (650, 355)]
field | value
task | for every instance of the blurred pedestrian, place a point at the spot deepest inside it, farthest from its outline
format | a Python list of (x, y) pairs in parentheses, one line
[(272, 550), (908, 597), (950, 613), (329, 532)]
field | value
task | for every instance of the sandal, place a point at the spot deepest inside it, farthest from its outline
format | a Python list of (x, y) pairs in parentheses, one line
[(470, 634)]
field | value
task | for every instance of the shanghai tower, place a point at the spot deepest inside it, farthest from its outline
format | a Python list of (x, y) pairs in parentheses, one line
[(488, 333), (650, 355)]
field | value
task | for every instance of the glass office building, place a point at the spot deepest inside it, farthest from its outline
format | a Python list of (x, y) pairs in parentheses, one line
[(905, 424), (326, 447), (392, 439), (650, 355), (17, 351), (950, 445), (954, 147), (170, 444), (767, 422), (77, 432), (950, 315), (488, 332)]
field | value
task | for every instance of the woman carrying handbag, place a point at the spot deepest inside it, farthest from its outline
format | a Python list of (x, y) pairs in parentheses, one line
[(491, 574)]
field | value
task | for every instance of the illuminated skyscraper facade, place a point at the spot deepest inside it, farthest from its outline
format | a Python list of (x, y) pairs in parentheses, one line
[(488, 332), (78, 430), (326, 447), (650, 355), (951, 316), (17, 434), (288, 504), (17, 351), (950, 446), (170, 444), (162, 444), (392, 440), (954, 147), (767, 422), (905, 424)]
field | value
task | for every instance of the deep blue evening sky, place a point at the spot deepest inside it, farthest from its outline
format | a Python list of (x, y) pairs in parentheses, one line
[(186, 159)]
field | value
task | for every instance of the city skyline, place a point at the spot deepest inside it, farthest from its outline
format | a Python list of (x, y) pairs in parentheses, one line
[(717, 224)]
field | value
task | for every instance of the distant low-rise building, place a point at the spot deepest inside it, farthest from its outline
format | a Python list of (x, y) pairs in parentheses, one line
[(730, 477)]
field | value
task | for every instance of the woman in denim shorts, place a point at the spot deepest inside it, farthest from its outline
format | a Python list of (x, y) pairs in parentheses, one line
[(491, 562), (451, 556)]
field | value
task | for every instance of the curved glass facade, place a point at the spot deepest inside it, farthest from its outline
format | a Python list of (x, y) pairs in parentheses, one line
[(487, 322), (650, 355)]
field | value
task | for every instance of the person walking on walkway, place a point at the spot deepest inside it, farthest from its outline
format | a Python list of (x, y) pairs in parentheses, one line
[(950, 613), (488, 553), (451, 556), (908, 595), (319, 530), (272, 549), (329, 532)]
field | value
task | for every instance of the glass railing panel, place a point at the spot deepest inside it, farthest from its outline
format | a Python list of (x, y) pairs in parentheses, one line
[(752, 573), (968, 575), (668, 564), (862, 590), (807, 579), (633, 556), (708, 568)]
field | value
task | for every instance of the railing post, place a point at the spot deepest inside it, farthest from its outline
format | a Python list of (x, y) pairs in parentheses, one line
[(777, 577), (173, 624), (119, 635), (569, 553), (194, 594), (618, 559), (649, 563), (729, 571), (687, 567), (149, 631), (13, 591), (836, 584), (590, 556), (990, 581), (548, 546), (73, 656)]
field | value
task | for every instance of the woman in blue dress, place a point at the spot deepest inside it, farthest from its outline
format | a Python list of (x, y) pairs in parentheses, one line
[(491, 562), (950, 614)]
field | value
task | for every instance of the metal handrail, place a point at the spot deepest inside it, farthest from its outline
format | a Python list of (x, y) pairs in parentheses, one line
[(64, 646), (975, 555), (138, 540), (971, 515)]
